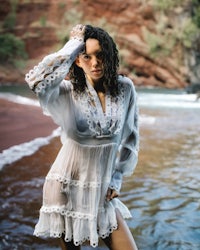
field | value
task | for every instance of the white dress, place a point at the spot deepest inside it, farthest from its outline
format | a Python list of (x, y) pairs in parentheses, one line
[(98, 149)]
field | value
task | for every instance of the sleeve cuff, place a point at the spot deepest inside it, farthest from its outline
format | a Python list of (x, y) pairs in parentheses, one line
[(116, 181)]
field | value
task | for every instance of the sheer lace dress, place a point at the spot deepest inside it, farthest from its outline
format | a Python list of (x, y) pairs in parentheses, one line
[(98, 149)]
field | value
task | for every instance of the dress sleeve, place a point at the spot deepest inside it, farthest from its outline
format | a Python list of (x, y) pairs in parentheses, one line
[(128, 152), (45, 78)]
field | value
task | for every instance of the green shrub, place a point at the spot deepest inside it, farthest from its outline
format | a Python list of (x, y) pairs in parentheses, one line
[(11, 49), (61, 5), (69, 19), (184, 34), (159, 45), (10, 20), (188, 34), (43, 21), (167, 4), (196, 17)]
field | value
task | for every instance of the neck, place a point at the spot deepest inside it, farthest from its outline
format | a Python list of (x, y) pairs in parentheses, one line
[(97, 85)]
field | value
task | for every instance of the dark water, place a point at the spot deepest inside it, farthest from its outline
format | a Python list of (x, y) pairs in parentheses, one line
[(163, 194)]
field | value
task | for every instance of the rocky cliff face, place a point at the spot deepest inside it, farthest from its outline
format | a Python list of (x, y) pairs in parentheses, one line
[(148, 54)]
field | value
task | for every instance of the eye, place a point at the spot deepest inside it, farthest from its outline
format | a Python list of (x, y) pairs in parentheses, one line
[(85, 57)]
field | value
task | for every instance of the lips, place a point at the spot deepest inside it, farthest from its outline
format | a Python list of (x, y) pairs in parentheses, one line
[(97, 71)]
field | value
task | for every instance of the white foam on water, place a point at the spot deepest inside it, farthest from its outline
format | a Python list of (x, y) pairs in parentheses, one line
[(19, 99), (165, 100), (17, 152), (146, 119)]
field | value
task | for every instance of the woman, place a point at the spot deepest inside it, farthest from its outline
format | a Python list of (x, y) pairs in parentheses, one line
[(97, 112)]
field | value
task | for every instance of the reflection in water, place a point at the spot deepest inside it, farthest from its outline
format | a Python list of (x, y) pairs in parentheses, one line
[(163, 194)]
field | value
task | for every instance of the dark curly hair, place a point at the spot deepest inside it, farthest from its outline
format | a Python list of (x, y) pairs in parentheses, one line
[(110, 62)]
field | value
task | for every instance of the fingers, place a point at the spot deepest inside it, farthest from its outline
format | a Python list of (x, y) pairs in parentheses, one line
[(78, 28), (77, 31), (111, 194), (114, 194)]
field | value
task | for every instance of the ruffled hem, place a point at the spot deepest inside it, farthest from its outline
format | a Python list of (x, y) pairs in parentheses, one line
[(57, 221)]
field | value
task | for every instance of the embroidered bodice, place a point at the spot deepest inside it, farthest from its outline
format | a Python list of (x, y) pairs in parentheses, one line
[(101, 124)]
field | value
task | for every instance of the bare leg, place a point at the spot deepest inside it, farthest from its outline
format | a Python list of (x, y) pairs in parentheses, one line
[(68, 245), (122, 237)]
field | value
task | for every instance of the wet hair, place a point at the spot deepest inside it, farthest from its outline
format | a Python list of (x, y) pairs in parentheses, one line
[(110, 62)]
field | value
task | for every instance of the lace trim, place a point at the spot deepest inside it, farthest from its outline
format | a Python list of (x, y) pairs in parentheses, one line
[(54, 76), (47, 234), (54, 67), (80, 242), (67, 239), (62, 211), (77, 38), (110, 230), (103, 125), (45, 73), (75, 215), (65, 180)]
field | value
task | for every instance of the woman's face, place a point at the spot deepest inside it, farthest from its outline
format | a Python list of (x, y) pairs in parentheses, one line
[(91, 61)]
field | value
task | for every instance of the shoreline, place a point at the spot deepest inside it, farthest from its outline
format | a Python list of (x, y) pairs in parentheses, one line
[(22, 123)]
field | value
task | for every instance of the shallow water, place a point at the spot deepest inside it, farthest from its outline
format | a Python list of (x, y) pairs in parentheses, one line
[(163, 194)]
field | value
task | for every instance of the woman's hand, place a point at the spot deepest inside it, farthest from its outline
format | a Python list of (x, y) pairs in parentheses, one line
[(77, 32), (111, 194)]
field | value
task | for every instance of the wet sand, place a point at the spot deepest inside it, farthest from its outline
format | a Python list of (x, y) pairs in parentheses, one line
[(22, 123)]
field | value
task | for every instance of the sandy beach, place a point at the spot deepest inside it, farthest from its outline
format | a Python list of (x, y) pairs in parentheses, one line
[(22, 123)]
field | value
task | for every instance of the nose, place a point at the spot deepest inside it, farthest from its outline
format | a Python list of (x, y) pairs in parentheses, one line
[(95, 61)]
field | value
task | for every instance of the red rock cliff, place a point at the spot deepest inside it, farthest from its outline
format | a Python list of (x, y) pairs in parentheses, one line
[(43, 25)]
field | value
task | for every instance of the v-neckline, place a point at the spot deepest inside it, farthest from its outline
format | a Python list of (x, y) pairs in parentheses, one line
[(97, 102)]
